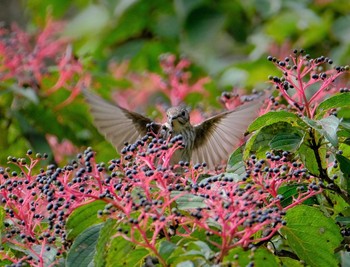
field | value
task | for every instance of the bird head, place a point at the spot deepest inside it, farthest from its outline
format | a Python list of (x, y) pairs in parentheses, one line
[(178, 117)]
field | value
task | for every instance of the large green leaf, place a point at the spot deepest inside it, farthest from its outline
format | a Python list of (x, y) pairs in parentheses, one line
[(286, 141), (49, 256), (269, 137), (290, 192), (337, 101), (2, 220), (330, 126), (308, 157), (201, 247), (273, 117), (327, 127), (289, 262), (235, 163), (312, 236), (5, 262), (83, 249), (188, 201), (28, 93), (193, 253), (104, 239), (123, 253), (344, 258), (260, 257), (84, 217), (166, 248), (344, 163)]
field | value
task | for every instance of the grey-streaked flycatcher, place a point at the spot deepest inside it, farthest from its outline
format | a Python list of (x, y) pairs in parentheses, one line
[(211, 141)]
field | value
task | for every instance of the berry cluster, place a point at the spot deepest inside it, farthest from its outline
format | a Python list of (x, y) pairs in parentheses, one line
[(148, 198), (300, 75)]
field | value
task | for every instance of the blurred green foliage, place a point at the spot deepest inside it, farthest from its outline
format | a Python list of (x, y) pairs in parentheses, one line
[(117, 46), (218, 36), (226, 40)]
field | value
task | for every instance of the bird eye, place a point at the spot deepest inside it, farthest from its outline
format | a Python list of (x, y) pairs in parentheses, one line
[(183, 114)]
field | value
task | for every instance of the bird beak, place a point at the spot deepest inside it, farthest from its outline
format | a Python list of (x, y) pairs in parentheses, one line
[(173, 118)]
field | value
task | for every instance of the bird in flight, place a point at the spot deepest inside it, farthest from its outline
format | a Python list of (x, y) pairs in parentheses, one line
[(211, 141)]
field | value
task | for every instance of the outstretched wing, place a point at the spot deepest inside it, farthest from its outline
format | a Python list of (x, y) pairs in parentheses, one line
[(217, 136), (117, 124)]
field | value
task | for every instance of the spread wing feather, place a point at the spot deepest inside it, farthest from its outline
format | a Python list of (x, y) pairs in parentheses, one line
[(117, 124), (217, 136)]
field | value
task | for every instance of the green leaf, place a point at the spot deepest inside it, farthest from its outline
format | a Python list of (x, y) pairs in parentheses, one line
[(344, 258), (306, 227), (2, 220), (199, 248), (327, 127), (273, 117), (28, 93), (344, 164), (84, 217), (4, 262), (129, 49), (289, 262), (124, 253), (49, 256), (290, 191), (330, 126), (235, 163), (83, 249), (309, 159), (343, 134), (193, 253), (201, 234), (343, 220), (340, 206), (337, 101), (104, 239), (286, 141), (260, 142), (344, 113), (90, 21), (188, 201), (260, 257), (186, 264), (345, 125), (166, 248)]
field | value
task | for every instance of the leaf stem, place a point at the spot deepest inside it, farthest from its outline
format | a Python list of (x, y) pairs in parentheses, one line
[(323, 172)]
